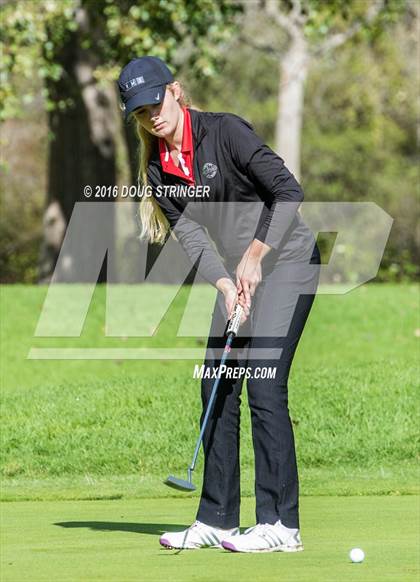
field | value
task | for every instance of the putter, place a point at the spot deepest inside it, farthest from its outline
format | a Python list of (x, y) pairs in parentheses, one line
[(231, 332)]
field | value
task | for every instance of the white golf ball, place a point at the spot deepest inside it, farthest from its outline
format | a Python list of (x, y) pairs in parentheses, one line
[(357, 555)]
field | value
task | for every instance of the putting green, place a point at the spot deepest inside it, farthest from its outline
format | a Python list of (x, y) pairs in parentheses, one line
[(118, 541)]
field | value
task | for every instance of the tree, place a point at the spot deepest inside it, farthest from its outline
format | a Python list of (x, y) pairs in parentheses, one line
[(314, 29), (360, 130), (78, 48)]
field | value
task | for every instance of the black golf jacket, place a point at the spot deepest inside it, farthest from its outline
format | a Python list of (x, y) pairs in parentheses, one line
[(239, 169)]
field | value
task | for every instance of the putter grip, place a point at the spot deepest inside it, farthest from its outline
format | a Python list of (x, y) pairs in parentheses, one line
[(235, 320)]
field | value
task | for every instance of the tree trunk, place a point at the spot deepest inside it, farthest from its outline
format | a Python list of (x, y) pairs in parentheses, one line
[(293, 72), (82, 146)]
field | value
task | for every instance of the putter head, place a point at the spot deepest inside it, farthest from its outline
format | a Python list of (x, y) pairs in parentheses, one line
[(180, 484)]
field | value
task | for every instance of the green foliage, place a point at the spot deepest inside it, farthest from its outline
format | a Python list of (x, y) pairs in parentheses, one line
[(359, 139), (359, 134), (19, 256), (22, 193), (20, 232), (324, 18), (30, 33), (244, 87), (33, 33)]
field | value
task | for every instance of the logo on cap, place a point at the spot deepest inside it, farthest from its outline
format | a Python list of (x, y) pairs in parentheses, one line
[(133, 83)]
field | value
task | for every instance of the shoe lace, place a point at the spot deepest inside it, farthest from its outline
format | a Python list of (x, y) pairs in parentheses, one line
[(201, 526), (196, 524), (260, 528)]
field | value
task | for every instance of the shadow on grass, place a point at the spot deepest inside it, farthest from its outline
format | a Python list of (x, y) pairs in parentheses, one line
[(141, 528)]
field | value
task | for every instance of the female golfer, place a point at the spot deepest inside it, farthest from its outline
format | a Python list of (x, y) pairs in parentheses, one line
[(242, 230)]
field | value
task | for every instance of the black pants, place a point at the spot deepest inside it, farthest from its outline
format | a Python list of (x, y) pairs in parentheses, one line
[(280, 308)]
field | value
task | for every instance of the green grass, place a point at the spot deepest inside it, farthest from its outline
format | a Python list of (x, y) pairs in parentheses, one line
[(397, 480), (111, 541), (86, 444), (126, 424)]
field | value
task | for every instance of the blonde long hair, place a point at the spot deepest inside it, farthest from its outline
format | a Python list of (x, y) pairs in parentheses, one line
[(154, 224)]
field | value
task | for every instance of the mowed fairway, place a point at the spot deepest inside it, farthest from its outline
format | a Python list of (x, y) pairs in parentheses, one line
[(118, 541), (87, 443)]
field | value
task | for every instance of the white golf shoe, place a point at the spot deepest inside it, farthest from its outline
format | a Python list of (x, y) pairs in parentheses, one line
[(265, 537), (198, 535)]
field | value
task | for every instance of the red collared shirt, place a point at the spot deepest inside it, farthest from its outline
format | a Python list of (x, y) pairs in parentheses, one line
[(185, 168)]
